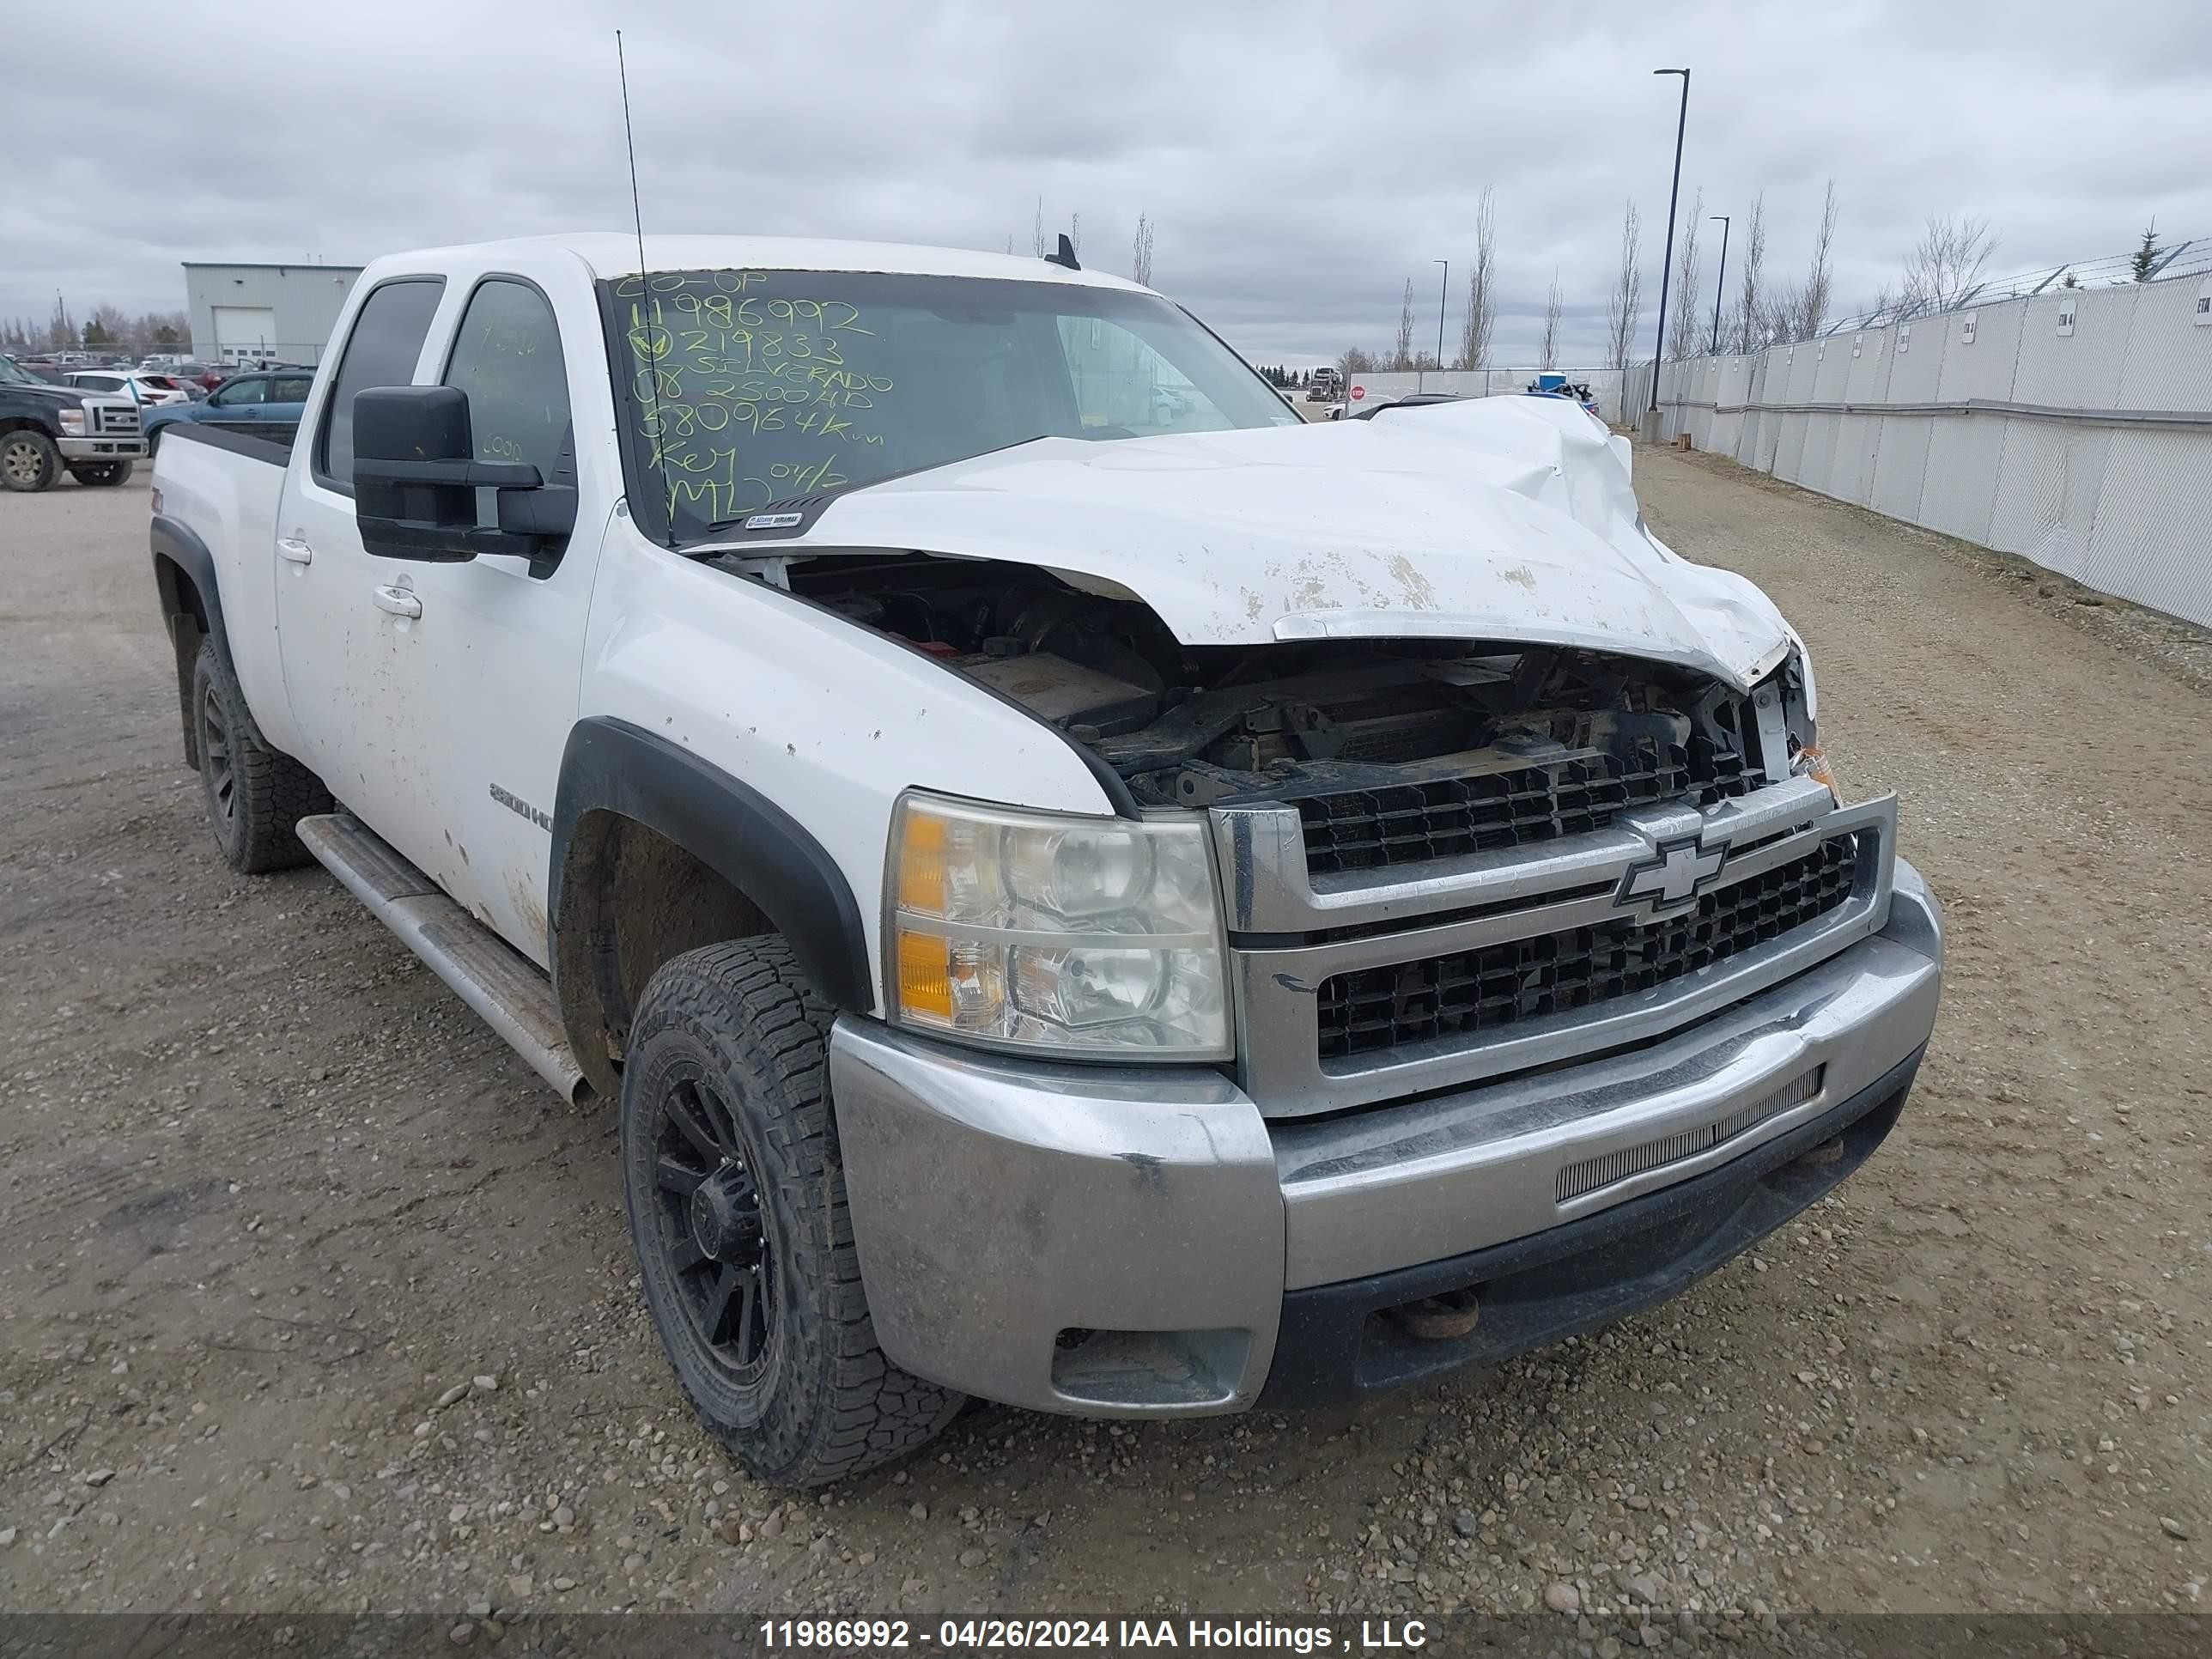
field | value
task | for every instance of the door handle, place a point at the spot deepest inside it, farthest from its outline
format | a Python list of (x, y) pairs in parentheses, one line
[(292, 548), (399, 601)]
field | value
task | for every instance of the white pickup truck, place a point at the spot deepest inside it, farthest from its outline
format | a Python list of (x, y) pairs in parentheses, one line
[(1123, 905)]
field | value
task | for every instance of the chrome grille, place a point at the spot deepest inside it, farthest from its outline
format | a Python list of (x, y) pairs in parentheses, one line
[(115, 420), (1434, 818), (1469, 993), (1407, 951)]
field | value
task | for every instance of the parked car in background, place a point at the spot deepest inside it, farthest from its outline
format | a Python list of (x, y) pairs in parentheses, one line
[(148, 391), (263, 405), (201, 377), (47, 429)]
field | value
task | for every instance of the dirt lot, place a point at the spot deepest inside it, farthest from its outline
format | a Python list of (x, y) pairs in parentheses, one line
[(269, 1194)]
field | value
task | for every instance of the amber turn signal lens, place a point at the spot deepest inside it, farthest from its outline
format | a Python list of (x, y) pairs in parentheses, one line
[(925, 975), (921, 866)]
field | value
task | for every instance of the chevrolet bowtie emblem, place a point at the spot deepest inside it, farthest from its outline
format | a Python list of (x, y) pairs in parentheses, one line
[(1671, 877)]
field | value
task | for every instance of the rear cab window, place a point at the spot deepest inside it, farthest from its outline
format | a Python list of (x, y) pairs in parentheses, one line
[(383, 349)]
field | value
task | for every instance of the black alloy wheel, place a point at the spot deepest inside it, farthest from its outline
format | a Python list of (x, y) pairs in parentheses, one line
[(218, 771), (712, 1229)]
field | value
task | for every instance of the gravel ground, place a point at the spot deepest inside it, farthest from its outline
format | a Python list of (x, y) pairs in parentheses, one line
[(311, 1297)]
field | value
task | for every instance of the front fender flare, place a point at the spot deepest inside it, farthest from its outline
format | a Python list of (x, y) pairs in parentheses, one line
[(612, 766)]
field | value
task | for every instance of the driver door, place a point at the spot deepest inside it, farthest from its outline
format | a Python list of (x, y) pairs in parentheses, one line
[(439, 693)]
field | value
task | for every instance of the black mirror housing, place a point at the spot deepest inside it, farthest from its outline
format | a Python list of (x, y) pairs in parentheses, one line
[(415, 479)]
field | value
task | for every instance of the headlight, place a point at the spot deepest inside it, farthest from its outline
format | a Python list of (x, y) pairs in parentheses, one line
[(1087, 937), (73, 420)]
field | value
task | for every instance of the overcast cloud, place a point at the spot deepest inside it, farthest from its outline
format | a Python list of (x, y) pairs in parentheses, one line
[(1300, 160)]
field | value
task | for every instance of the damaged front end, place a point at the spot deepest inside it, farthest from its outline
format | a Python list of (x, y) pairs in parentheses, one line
[(1392, 751)]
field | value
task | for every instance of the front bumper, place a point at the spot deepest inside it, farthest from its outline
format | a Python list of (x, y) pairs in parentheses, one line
[(129, 448), (1141, 1242)]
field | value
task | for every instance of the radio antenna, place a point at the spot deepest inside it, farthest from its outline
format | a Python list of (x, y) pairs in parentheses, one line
[(644, 275)]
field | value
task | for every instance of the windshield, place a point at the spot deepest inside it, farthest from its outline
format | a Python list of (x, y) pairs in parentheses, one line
[(745, 387), (11, 374)]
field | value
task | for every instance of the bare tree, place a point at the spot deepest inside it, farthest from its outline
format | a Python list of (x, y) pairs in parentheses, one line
[(1809, 304), (1682, 327), (1356, 361), (1626, 299), (1795, 311), (1944, 264), (1550, 353), (1401, 354), (1141, 253), (1038, 245), (1745, 325), (1482, 286)]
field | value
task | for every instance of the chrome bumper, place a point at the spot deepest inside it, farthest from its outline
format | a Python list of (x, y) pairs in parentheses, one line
[(1119, 1242), (130, 448)]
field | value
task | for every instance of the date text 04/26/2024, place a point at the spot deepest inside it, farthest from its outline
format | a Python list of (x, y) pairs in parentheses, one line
[(1097, 1635)]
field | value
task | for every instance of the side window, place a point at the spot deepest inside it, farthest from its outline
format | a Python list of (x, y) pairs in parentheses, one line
[(232, 393), (386, 339), (506, 357), (290, 392)]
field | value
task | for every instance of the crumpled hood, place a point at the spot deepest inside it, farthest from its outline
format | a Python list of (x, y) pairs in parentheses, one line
[(1506, 518)]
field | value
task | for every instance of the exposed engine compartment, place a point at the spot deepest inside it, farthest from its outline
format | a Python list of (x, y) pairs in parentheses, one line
[(1309, 723)]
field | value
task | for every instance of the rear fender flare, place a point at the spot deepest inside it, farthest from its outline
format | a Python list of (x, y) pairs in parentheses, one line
[(183, 567)]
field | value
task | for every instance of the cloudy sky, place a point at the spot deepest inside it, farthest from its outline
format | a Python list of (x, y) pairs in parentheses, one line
[(1301, 161)]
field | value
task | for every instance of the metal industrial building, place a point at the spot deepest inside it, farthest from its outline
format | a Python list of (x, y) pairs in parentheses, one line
[(260, 312)]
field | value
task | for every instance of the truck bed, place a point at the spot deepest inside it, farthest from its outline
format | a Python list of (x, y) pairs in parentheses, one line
[(260, 441)]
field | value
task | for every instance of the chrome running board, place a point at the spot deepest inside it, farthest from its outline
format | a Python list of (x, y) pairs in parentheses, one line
[(507, 992)]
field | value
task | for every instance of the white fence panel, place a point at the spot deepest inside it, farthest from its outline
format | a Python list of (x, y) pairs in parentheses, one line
[(2073, 427), (2150, 541)]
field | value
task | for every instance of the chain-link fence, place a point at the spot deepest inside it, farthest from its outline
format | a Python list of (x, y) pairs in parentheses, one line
[(2072, 426)]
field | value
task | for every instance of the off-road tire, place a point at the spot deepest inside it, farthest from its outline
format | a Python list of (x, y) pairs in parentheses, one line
[(28, 460), (102, 475), (255, 796), (740, 1022)]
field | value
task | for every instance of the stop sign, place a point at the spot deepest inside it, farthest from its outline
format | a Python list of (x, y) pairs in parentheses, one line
[(1358, 393)]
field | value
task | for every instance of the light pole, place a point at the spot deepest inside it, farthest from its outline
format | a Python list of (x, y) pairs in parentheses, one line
[(1666, 270), (1720, 281), (1444, 293)]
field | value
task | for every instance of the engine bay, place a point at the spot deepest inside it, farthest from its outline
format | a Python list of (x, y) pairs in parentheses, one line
[(1196, 726)]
